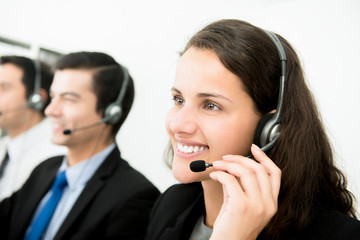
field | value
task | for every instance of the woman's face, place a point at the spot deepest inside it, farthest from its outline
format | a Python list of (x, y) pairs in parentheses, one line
[(212, 115)]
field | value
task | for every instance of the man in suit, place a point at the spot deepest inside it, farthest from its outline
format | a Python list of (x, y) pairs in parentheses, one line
[(101, 196), (24, 94)]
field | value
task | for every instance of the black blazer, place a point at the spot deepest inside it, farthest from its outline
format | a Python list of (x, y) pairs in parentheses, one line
[(177, 210), (115, 203)]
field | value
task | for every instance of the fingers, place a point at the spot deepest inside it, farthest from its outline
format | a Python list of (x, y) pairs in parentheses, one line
[(273, 170), (255, 177), (257, 170), (230, 183), (245, 176), (247, 182), (250, 191)]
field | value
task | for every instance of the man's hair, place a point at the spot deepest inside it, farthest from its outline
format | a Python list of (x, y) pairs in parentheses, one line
[(107, 80)]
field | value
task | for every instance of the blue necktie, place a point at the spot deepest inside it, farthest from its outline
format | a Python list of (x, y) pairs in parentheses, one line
[(42, 220)]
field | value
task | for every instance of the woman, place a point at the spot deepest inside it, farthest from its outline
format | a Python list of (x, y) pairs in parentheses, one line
[(226, 84)]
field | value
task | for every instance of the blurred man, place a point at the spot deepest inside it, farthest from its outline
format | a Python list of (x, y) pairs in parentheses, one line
[(91, 193), (24, 88)]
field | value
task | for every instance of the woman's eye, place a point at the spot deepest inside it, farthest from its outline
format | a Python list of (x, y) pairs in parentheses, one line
[(211, 106), (178, 100)]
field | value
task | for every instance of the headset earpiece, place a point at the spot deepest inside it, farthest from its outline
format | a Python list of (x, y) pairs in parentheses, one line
[(113, 112), (260, 127), (268, 128), (35, 101), (267, 131)]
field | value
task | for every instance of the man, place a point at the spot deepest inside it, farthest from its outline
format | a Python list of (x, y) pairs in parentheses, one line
[(98, 195), (22, 116)]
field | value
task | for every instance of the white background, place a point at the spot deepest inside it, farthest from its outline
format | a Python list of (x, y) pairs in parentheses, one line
[(146, 36)]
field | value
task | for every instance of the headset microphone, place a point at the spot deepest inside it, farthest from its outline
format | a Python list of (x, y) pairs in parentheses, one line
[(70, 131), (199, 165)]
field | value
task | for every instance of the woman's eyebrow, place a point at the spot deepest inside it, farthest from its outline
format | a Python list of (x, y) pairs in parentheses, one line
[(175, 90), (213, 95), (204, 95)]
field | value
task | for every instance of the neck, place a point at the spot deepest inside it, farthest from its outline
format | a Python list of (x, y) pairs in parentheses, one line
[(84, 150), (81, 153), (33, 119), (213, 196)]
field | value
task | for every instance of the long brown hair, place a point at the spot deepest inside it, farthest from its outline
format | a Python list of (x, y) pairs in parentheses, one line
[(310, 180)]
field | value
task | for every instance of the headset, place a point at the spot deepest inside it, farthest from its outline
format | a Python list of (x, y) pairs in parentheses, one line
[(35, 100), (113, 112), (268, 128)]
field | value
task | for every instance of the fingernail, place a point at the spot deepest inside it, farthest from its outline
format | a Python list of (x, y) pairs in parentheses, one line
[(216, 163), (255, 147), (227, 157)]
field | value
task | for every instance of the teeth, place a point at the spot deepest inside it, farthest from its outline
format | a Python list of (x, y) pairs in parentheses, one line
[(190, 149)]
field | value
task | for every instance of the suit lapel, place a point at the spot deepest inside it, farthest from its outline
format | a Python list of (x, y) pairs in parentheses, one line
[(90, 191), (186, 221), (43, 181)]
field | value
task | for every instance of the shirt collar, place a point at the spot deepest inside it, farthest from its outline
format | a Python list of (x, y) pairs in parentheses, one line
[(79, 174), (18, 144)]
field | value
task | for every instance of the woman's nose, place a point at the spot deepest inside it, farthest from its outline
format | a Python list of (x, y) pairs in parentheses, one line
[(183, 121)]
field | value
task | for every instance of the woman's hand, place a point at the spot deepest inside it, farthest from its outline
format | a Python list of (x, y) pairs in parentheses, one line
[(251, 192)]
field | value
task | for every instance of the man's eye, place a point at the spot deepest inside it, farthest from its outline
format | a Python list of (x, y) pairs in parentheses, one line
[(69, 99)]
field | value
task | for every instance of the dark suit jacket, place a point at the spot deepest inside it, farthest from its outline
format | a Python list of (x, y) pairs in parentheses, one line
[(177, 210), (115, 203)]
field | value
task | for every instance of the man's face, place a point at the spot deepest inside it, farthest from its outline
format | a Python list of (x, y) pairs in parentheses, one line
[(73, 105), (13, 101)]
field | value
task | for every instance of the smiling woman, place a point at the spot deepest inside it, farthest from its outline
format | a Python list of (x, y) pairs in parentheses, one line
[(207, 113), (226, 84)]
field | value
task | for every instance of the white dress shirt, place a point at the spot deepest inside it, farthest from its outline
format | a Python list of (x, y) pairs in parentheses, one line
[(26, 151)]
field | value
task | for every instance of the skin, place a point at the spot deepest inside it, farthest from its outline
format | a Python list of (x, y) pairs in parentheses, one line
[(73, 105), (16, 117), (212, 112)]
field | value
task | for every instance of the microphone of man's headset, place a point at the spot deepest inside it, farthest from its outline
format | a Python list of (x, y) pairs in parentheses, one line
[(70, 131)]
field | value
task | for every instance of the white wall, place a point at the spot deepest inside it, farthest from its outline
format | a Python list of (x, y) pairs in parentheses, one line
[(147, 35)]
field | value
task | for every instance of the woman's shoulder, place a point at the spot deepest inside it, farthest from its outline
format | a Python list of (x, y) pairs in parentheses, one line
[(183, 194), (184, 189), (172, 209), (334, 225)]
